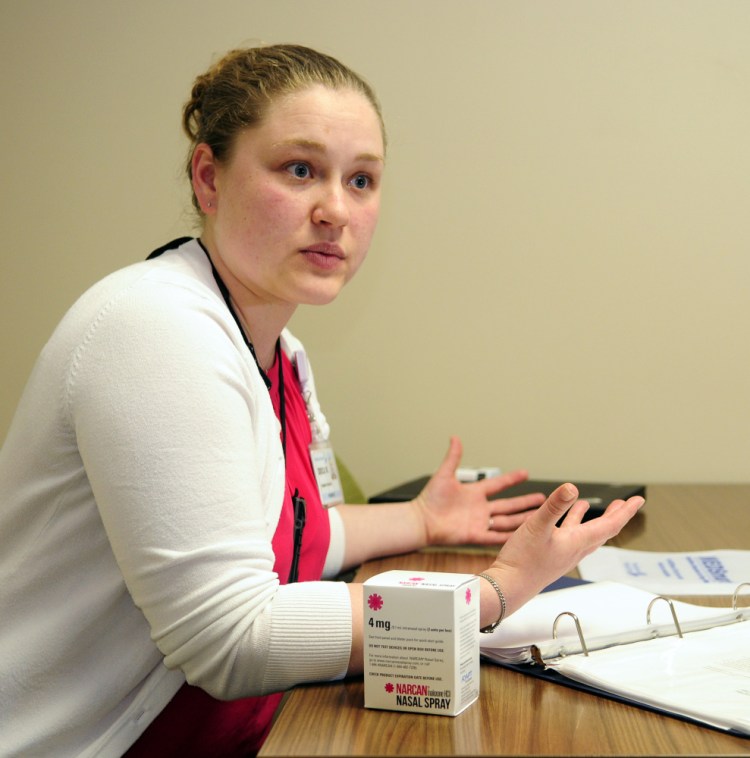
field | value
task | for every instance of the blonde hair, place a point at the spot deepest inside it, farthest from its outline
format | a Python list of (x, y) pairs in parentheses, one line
[(235, 92)]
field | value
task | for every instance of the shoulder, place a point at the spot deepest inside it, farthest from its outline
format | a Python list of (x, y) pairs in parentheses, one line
[(148, 297), (179, 274), (166, 314)]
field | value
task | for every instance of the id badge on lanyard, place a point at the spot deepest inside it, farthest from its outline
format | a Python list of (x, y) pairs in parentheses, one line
[(326, 473), (322, 457)]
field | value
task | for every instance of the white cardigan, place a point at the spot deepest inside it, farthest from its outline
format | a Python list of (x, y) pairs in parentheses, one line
[(141, 484)]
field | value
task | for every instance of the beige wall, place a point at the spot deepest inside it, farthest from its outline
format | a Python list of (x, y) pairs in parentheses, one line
[(561, 271)]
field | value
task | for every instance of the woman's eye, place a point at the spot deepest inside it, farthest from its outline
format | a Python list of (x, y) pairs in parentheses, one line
[(361, 181), (299, 170)]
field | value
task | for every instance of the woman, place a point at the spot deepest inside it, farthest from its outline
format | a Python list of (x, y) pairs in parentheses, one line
[(162, 535)]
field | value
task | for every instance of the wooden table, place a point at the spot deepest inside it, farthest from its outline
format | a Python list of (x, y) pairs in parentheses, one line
[(518, 714)]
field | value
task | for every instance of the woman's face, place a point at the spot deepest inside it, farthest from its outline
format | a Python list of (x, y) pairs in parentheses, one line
[(295, 205)]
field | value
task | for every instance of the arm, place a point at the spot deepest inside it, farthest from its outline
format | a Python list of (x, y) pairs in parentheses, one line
[(181, 447)]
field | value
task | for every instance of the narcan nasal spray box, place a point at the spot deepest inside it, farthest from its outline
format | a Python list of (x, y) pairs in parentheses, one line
[(421, 641)]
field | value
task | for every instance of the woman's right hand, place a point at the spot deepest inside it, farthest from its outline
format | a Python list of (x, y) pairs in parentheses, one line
[(539, 551)]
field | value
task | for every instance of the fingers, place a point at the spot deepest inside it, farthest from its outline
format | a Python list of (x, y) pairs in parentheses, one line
[(618, 505), (559, 502), (619, 512), (452, 458), (516, 504), (616, 515), (575, 515), (610, 523), (555, 507), (507, 522), (495, 484)]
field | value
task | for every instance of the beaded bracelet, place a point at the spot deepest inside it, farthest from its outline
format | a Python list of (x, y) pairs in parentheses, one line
[(496, 587)]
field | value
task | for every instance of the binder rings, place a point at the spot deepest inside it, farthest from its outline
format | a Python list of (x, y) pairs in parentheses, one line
[(680, 659)]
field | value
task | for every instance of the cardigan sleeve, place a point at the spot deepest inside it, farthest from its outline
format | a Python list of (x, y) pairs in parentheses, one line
[(181, 447)]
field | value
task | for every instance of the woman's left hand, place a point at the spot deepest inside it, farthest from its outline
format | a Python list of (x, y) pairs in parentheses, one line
[(457, 513)]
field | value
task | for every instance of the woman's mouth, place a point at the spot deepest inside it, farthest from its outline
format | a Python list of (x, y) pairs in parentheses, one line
[(326, 255)]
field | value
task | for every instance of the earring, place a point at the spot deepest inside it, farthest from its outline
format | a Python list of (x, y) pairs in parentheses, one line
[(210, 203)]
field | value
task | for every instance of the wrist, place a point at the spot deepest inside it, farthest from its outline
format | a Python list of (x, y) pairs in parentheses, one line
[(493, 603), (419, 510)]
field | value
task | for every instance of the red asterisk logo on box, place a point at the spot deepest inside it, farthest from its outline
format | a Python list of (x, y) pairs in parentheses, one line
[(375, 602)]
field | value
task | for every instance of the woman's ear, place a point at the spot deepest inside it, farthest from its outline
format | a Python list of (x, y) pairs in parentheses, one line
[(204, 178)]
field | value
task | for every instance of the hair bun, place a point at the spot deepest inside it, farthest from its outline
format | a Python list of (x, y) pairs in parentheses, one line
[(192, 112)]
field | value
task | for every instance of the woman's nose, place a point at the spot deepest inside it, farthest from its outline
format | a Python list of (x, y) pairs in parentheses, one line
[(331, 207)]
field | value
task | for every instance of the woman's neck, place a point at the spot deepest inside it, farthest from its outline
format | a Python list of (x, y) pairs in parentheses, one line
[(261, 321)]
